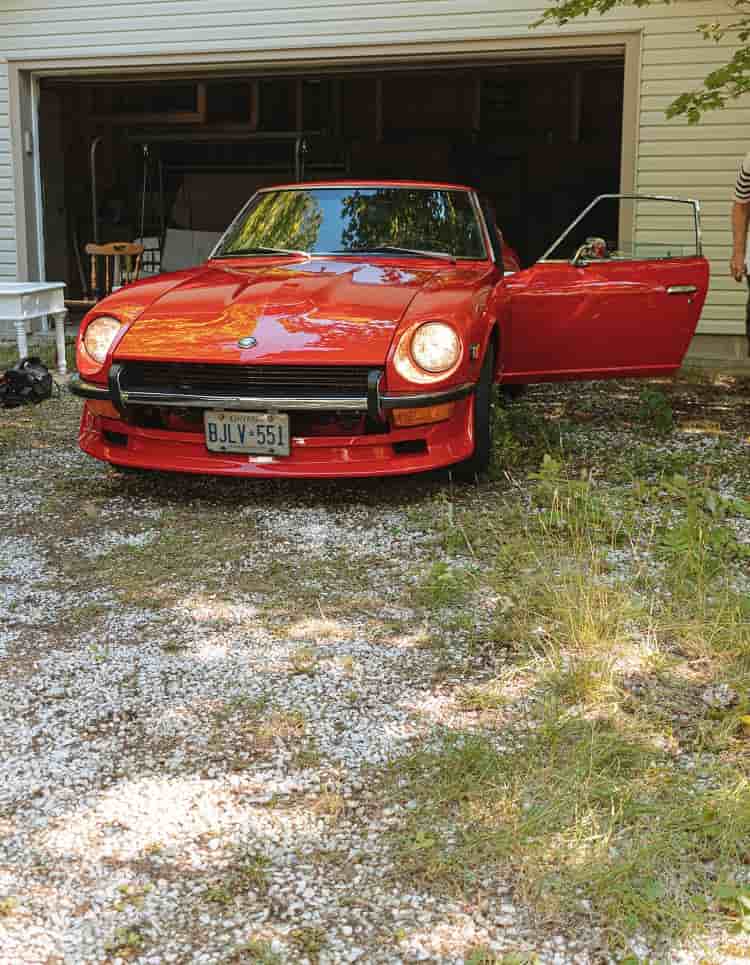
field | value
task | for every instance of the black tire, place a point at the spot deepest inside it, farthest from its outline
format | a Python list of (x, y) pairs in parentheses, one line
[(479, 461), (509, 393)]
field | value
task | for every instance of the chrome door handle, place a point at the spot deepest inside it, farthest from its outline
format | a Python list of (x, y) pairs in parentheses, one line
[(682, 290)]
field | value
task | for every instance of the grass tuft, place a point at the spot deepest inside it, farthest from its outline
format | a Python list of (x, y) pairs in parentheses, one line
[(444, 585), (308, 941), (254, 952), (587, 680)]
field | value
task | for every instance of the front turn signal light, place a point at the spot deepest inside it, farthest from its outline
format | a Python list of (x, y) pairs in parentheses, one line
[(403, 418)]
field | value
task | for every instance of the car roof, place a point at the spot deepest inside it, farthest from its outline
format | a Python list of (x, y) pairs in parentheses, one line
[(351, 183)]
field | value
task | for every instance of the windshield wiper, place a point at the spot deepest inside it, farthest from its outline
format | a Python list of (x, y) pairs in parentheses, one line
[(397, 250), (238, 252)]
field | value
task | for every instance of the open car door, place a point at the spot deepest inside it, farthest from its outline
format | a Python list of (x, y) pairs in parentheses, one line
[(600, 305)]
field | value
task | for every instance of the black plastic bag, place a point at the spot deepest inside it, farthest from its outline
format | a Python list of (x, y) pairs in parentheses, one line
[(26, 383)]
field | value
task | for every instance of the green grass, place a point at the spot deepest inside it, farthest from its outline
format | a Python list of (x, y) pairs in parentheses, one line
[(444, 585), (308, 941), (303, 662), (254, 952), (127, 942), (8, 906), (588, 680), (244, 729), (50, 424), (655, 411), (192, 553), (579, 792), (521, 436), (45, 349), (485, 697), (281, 726), (584, 810)]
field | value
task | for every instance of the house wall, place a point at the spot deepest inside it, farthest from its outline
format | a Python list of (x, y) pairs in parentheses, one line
[(7, 207), (670, 157)]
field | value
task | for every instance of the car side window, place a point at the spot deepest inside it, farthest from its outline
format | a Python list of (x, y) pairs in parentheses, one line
[(630, 228)]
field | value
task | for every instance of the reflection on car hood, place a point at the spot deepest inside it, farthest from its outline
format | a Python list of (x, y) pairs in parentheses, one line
[(319, 311)]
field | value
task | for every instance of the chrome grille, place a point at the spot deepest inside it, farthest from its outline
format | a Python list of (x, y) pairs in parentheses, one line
[(265, 380)]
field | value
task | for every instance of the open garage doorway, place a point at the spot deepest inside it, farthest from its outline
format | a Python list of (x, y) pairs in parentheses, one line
[(170, 160)]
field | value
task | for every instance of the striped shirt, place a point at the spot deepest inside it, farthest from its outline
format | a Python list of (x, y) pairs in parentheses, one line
[(742, 196), (742, 185)]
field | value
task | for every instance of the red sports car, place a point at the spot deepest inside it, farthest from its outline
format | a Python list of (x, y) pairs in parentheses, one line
[(356, 329)]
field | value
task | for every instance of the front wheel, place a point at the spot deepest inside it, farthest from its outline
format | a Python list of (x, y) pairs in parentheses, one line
[(479, 461), (510, 392)]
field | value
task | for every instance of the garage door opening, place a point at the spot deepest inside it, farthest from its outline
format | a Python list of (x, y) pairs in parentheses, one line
[(172, 160)]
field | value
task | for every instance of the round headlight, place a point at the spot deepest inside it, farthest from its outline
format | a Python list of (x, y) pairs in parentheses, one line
[(435, 347), (99, 335)]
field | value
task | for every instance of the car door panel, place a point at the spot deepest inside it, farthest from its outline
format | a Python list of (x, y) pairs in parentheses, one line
[(602, 319), (619, 292)]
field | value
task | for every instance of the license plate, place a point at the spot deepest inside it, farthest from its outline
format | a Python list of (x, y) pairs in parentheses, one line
[(257, 433)]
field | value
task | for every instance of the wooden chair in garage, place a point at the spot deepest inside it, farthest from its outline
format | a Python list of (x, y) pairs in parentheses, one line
[(122, 265)]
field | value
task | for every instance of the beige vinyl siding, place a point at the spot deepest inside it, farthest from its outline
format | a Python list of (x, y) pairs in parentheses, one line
[(700, 161), (670, 156), (140, 26), (7, 207)]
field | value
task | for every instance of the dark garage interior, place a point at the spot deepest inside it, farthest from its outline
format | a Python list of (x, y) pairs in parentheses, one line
[(171, 160)]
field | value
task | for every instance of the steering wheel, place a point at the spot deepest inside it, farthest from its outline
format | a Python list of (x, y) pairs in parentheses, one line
[(593, 249)]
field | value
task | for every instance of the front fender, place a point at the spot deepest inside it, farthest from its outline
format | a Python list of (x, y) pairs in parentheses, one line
[(127, 304), (498, 308), (461, 297)]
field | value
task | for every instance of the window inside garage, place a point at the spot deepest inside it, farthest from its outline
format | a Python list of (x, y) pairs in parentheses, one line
[(173, 159)]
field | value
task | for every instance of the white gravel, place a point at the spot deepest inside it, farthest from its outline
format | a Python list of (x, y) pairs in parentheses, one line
[(114, 754)]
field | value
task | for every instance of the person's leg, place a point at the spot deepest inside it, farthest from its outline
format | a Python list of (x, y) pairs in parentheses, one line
[(747, 317)]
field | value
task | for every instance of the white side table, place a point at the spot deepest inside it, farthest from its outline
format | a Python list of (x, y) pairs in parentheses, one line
[(23, 301)]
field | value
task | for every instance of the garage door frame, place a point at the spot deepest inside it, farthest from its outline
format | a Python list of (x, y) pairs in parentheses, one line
[(24, 76)]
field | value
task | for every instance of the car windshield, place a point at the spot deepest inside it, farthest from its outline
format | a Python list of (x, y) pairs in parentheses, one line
[(384, 221)]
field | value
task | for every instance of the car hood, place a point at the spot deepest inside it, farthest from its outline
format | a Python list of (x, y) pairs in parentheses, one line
[(322, 311)]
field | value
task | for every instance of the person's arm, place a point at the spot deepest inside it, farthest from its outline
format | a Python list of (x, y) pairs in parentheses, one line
[(740, 220)]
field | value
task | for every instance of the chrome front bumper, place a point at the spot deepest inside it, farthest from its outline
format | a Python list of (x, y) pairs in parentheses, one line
[(374, 403)]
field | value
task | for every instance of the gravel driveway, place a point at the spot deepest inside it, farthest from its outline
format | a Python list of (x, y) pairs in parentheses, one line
[(205, 684)]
